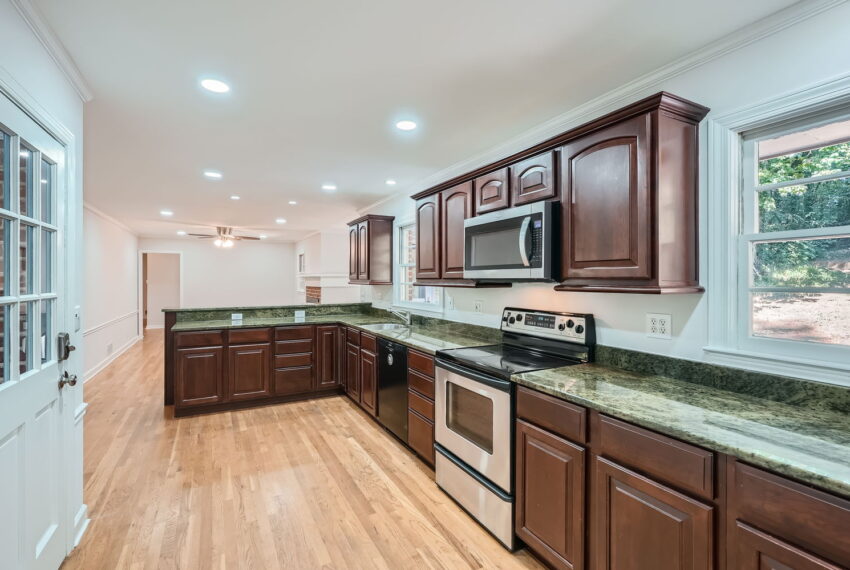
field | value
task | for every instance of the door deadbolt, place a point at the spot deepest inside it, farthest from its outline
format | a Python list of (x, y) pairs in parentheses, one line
[(69, 379)]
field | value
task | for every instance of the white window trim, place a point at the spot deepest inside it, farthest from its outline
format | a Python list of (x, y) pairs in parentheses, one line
[(729, 343), (397, 301)]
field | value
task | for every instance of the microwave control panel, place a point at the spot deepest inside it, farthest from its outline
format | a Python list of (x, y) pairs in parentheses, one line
[(571, 327)]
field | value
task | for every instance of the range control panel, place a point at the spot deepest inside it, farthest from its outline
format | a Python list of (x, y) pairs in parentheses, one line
[(571, 327)]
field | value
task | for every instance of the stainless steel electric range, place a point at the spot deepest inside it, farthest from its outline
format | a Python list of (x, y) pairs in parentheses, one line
[(475, 407)]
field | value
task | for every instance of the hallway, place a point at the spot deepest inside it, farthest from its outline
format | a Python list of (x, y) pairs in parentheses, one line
[(304, 485)]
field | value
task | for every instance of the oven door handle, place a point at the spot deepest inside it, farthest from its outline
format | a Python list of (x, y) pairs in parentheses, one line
[(524, 233), (502, 385)]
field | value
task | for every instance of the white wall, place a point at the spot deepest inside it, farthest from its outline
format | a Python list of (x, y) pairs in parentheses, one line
[(326, 266), (249, 274), (808, 52), (163, 290), (110, 323)]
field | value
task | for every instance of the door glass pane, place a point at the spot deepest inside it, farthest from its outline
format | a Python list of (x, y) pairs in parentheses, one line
[(816, 205), (4, 342), (27, 169), (46, 192), (27, 247), (470, 415), (46, 330), (26, 332), (815, 263), (46, 261), (5, 257), (5, 170)]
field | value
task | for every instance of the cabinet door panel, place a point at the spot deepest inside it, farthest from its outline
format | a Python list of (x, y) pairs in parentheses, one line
[(758, 550), (533, 179), (456, 207), (428, 237), (363, 251), (199, 379), (249, 367), (327, 365), (368, 381), (550, 496), (352, 371), (491, 192), (420, 436), (639, 523), (294, 380), (606, 203), (353, 253)]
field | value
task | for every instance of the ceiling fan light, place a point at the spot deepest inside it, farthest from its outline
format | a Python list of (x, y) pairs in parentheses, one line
[(227, 243), (218, 242)]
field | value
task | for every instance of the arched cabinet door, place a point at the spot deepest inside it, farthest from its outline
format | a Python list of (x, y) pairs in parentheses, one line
[(606, 204), (533, 179), (428, 237), (456, 207), (492, 192), (363, 251), (353, 253)]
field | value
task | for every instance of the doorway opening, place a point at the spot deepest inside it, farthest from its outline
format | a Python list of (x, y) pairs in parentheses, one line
[(161, 276)]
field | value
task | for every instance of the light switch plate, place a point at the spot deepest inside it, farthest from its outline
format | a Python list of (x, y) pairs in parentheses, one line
[(479, 306), (659, 325)]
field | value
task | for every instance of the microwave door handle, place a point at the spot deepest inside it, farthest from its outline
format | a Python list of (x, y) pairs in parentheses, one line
[(524, 232)]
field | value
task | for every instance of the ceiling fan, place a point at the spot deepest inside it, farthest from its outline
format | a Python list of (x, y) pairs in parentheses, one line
[(224, 237)]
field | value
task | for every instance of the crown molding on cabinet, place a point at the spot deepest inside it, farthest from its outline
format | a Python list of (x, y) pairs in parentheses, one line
[(54, 47), (625, 94)]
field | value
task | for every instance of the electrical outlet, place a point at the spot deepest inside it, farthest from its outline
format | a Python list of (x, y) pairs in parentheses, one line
[(450, 302), (479, 306), (659, 325)]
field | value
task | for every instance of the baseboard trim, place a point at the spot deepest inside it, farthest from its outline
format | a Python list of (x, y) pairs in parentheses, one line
[(97, 368), (81, 524)]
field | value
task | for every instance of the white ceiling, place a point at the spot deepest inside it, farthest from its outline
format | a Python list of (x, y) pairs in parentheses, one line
[(317, 87)]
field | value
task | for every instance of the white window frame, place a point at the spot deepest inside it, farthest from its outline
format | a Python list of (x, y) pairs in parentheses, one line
[(730, 214), (398, 226)]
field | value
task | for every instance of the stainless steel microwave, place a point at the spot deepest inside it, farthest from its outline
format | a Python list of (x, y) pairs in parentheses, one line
[(511, 245)]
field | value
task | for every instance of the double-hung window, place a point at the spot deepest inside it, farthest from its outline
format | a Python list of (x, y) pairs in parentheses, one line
[(794, 245), (407, 294)]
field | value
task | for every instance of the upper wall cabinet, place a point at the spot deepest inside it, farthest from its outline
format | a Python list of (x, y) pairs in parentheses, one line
[(533, 179), (456, 207), (370, 250), (492, 191), (629, 200), (428, 237)]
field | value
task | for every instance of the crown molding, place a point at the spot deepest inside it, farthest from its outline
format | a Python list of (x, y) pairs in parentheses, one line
[(109, 218), (625, 94), (54, 47)]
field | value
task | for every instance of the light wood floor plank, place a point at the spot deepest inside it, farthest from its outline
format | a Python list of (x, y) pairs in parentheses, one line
[(314, 484)]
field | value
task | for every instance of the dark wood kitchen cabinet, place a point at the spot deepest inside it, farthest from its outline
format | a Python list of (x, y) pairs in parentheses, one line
[(492, 191), (328, 363), (534, 179), (428, 238), (420, 404), (352, 364), (370, 250), (199, 376), (456, 207), (249, 367), (294, 369), (368, 374)]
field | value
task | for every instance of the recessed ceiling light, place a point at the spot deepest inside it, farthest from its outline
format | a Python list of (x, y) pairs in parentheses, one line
[(215, 85), (329, 187), (263, 236), (213, 174), (390, 182), (166, 213), (406, 125), (181, 233), (234, 197), (293, 203), (280, 221)]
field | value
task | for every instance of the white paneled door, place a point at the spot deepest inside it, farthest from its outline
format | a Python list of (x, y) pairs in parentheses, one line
[(35, 426)]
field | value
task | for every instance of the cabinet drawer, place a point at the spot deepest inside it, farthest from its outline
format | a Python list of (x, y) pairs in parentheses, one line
[(199, 338), (420, 436), (244, 336), (420, 383), (293, 380), (807, 518), (421, 363), (685, 466), (558, 416), (368, 342), (293, 346), (353, 336), (289, 360), (293, 333), (423, 406)]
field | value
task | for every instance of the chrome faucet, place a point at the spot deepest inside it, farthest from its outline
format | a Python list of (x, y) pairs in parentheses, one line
[(403, 315)]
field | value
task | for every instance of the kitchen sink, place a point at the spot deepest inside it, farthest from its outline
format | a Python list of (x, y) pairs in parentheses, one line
[(388, 327)]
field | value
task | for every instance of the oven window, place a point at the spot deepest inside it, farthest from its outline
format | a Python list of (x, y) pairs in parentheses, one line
[(496, 248), (471, 415)]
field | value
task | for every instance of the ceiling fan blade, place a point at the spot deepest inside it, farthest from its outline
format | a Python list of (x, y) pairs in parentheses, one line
[(246, 237), (202, 235)]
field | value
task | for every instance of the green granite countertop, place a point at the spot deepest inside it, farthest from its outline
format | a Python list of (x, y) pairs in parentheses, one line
[(426, 338), (810, 445)]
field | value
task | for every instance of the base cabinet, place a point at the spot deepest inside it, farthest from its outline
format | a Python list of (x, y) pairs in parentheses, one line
[(199, 378), (550, 496), (369, 381), (352, 371), (757, 550), (328, 366), (249, 371)]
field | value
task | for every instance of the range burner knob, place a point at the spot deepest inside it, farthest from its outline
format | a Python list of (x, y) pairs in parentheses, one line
[(519, 316), (570, 324), (562, 326), (579, 329), (504, 318), (511, 321)]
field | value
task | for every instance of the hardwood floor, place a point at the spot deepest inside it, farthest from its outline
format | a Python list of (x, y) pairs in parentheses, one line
[(304, 485)]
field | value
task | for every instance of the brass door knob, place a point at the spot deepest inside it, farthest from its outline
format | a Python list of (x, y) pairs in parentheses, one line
[(69, 379)]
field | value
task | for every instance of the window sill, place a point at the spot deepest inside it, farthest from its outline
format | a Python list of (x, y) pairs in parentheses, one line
[(819, 371)]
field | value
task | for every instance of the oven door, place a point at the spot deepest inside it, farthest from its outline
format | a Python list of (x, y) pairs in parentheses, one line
[(509, 244), (473, 421)]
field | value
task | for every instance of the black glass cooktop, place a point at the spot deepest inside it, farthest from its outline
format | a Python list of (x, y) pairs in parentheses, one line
[(504, 360)]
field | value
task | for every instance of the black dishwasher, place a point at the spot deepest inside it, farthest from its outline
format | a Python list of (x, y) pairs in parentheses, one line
[(392, 387)]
